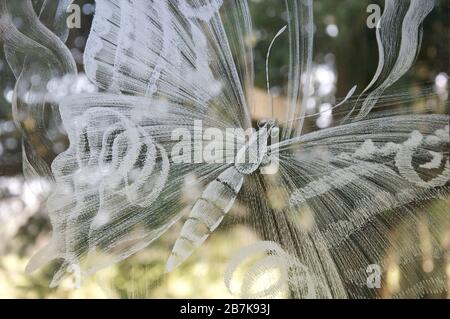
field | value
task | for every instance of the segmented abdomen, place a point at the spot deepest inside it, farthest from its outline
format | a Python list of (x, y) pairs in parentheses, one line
[(206, 215)]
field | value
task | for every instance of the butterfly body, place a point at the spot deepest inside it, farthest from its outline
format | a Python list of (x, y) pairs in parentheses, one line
[(219, 196)]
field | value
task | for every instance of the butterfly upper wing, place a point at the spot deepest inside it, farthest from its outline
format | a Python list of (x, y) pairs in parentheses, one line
[(399, 36), (301, 33), (173, 49), (37, 46), (238, 25)]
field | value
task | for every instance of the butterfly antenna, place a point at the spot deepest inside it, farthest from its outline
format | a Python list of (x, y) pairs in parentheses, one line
[(267, 67)]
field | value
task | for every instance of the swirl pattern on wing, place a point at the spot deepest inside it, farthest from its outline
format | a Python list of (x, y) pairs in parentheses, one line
[(113, 166)]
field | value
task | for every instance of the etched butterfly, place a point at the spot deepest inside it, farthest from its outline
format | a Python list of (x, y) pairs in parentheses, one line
[(161, 66)]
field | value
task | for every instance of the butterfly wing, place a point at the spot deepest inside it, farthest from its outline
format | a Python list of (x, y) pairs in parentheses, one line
[(343, 190), (118, 186), (174, 57), (346, 190), (36, 48), (301, 33), (177, 50), (399, 37)]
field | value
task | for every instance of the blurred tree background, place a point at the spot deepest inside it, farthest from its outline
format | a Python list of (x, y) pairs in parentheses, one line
[(345, 54)]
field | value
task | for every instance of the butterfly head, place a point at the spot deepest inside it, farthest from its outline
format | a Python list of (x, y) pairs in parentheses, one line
[(268, 124)]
